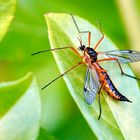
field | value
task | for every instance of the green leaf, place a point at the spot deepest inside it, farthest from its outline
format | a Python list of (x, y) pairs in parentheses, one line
[(7, 9), (20, 109), (44, 135), (120, 120)]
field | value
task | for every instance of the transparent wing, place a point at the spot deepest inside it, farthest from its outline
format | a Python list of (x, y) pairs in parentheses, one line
[(124, 56), (91, 85)]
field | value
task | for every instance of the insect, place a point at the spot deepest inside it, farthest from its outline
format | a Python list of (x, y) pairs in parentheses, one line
[(96, 77)]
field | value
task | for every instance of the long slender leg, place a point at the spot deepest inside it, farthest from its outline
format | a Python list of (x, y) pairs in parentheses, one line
[(55, 49), (75, 23), (106, 59), (62, 74), (80, 32), (123, 73), (100, 40), (100, 108), (76, 52), (89, 33), (43, 51), (88, 36)]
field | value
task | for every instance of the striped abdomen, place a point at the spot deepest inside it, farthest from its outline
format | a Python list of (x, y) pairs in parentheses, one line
[(109, 87), (111, 90)]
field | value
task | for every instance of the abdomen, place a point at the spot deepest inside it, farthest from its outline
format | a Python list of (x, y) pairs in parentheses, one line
[(109, 87), (111, 90)]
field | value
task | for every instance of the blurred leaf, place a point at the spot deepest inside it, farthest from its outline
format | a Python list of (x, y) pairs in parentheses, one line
[(20, 109), (119, 119), (44, 135), (7, 9), (75, 128), (131, 20)]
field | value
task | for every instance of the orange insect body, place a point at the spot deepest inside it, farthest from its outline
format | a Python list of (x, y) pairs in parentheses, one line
[(107, 86), (90, 58)]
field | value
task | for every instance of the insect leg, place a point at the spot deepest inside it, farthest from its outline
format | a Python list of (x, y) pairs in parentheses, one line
[(75, 23), (81, 32), (108, 59), (88, 36), (43, 51), (100, 108), (88, 32), (101, 87), (100, 40), (125, 73), (62, 74), (76, 52)]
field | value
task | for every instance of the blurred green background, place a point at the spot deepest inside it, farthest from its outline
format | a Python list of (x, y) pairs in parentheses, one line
[(28, 34)]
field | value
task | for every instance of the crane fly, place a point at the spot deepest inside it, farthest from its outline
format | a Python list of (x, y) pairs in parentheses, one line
[(96, 77)]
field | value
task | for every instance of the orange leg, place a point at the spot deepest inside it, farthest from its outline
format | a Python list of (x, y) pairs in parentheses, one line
[(76, 52), (80, 63), (97, 44), (88, 36), (55, 49), (107, 59), (110, 59), (88, 32)]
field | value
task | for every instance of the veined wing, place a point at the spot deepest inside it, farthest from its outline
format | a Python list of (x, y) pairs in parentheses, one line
[(124, 56), (91, 85)]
